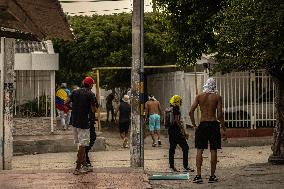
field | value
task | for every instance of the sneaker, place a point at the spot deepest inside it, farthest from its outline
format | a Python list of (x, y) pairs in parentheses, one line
[(90, 167), (188, 170), (197, 179), (79, 171), (159, 143), (154, 145), (212, 179), (173, 169), (87, 168)]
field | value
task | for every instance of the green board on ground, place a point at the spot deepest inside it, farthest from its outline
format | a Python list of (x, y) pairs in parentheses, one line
[(182, 176)]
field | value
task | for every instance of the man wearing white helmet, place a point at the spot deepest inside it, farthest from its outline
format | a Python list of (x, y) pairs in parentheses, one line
[(208, 130)]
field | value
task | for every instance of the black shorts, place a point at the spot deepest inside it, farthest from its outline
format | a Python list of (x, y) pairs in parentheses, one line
[(124, 127), (208, 131)]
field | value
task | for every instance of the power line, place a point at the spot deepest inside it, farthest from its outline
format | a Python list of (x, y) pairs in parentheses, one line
[(84, 1), (106, 10)]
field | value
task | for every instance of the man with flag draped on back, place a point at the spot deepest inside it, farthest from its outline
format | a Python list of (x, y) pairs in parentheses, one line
[(63, 108)]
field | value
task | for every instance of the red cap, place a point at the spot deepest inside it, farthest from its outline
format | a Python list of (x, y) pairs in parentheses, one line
[(88, 81)]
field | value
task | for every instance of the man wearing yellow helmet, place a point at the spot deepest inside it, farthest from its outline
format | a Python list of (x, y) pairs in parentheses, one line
[(177, 135), (176, 100)]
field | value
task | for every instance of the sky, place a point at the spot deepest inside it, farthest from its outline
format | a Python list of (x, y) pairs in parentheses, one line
[(89, 7)]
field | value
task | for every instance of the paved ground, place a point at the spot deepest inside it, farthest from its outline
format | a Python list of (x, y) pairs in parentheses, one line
[(113, 178), (238, 167)]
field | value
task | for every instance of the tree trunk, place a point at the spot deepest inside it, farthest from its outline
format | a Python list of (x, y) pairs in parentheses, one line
[(277, 156)]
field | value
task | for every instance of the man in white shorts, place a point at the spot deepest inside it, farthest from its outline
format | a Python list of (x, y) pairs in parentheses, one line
[(83, 102)]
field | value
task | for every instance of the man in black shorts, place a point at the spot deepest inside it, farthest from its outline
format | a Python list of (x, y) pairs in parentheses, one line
[(124, 110), (208, 130)]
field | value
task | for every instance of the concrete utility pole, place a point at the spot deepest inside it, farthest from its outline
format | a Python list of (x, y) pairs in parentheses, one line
[(7, 99), (137, 86)]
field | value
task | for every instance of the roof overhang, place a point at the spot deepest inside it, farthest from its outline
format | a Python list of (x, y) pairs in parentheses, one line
[(43, 19)]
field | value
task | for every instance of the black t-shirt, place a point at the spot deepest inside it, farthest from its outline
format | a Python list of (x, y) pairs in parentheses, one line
[(92, 114), (82, 100), (124, 112), (109, 99), (174, 129)]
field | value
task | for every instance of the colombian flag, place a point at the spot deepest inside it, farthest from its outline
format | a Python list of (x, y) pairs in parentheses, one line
[(61, 98)]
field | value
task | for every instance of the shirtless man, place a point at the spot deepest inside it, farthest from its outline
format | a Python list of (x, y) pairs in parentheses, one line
[(208, 130), (153, 109)]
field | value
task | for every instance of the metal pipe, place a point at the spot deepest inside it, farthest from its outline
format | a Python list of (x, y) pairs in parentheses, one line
[(98, 98), (1, 105), (52, 100), (129, 68)]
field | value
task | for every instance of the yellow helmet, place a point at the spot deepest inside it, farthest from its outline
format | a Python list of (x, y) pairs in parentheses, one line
[(176, 100)]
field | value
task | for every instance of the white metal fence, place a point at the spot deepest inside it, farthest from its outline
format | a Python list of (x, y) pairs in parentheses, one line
[(32, 94), (248, 98)]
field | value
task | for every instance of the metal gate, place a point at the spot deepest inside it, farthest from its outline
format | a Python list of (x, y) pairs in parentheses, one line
[(248, 99)]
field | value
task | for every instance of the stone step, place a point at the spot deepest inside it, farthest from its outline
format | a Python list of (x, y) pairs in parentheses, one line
[(51, 144)]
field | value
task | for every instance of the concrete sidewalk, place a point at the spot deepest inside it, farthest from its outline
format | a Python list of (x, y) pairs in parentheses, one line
[(114, 178)]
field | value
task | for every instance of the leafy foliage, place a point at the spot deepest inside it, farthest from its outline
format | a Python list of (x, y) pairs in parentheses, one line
[(250, 35), (107, 41), (190, 23), (38, 107)]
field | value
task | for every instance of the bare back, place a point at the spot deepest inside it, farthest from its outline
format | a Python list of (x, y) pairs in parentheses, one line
[(208, 103), (153, 107)]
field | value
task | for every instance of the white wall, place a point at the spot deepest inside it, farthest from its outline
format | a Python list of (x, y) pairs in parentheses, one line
[(164, 86)]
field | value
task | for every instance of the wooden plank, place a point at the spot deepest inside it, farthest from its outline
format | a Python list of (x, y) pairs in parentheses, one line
[(3, 5), (18, 35), (170, 176), (19, 14)]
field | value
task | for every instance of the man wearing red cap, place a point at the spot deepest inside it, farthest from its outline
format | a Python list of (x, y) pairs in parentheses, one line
[(83, 105)]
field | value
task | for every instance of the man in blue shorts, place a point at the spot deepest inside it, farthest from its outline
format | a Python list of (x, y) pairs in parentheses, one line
[(153, 110)]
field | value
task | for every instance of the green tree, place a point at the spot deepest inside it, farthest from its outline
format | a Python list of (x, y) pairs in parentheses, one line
[(250, 36), (190, 25), (107, 41), (245, 34)]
